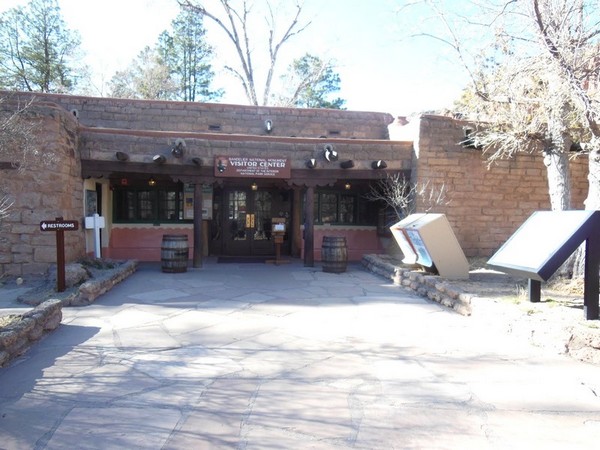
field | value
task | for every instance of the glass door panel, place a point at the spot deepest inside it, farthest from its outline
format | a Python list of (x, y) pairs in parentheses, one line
[(248, 221), (235, 237)]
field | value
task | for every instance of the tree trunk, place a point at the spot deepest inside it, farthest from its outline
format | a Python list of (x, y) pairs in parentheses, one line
[(559, 180), (592, 202), (556, 161), (593, 199)]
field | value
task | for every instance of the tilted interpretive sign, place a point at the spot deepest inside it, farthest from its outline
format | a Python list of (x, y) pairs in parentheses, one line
[(545, 241), (428, 240)]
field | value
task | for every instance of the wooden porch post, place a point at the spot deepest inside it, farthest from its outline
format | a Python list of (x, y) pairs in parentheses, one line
[(198, 244), (297, 223), (309, 229)]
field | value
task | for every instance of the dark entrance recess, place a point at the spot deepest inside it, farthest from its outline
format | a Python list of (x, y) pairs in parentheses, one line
[(243, 221)]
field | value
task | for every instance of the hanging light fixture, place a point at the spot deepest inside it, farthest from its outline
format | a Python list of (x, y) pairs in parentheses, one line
[(268, 125), (379, 164), (178, 148), (151, 182), (122, 156), (329, 153), (254, 186), (347, 186)]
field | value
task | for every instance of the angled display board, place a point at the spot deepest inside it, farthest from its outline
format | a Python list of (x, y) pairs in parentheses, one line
[(410, 255), (430, 242), (544, 242)]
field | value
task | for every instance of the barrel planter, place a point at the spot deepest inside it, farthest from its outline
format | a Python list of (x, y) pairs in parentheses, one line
[(174, 253), (334, 254)]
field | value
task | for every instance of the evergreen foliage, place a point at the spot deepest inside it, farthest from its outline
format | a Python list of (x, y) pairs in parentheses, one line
[(37, 50)]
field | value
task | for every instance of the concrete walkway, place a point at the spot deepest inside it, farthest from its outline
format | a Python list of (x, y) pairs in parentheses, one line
[(253, 356)]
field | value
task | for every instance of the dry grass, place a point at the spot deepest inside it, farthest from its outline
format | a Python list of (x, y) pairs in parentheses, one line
[(567, 286), (10, 319)]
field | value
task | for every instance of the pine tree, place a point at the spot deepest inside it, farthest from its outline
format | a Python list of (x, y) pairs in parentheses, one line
[(37, 50)]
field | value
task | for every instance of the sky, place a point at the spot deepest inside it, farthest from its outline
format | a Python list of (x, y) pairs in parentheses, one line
[(380, 68)]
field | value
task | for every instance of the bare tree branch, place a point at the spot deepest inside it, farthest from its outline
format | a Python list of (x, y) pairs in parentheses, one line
[(402, 197), (237, 29)]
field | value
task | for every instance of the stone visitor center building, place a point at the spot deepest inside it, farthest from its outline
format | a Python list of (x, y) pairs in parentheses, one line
[(224, 174)]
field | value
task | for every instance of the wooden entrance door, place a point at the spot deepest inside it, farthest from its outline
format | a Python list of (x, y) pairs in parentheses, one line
[(248, 218)]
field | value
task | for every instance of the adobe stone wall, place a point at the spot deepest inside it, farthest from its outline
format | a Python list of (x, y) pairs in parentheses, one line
[(43, 193), (142, 146), (487, 204), (220, 118)]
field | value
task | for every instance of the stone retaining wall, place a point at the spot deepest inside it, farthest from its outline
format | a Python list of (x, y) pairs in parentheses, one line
[(578, 339), (18, 337), (430, 286), (90, 290)]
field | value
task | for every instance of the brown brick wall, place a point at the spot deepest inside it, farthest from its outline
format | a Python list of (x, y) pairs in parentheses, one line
[(230, 119), (101, 145), (43, 193), (486, 204)]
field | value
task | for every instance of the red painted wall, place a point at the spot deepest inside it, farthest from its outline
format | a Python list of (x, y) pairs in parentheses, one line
[(143, 244), (359, 242)]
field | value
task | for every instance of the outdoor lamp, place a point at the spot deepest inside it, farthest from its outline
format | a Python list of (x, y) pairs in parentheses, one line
[(178, 148), (254, 186), (221, 167), (159, 159), (121, 156), (268, 125), (311, 163), (379, 164), (197, 161), (329, 153), (151, 182)]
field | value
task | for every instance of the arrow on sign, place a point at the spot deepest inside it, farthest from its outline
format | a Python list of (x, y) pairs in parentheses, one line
[(55, 225)]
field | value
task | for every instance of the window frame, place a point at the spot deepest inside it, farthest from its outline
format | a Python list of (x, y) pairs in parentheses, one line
[(361, 210), (158, 198)]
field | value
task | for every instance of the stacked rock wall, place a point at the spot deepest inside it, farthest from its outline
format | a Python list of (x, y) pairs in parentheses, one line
[(17, 337), (43, 191)]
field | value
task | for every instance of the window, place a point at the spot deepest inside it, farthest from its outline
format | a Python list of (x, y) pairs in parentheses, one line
[(327, 208), (143, 204), (342, 208)]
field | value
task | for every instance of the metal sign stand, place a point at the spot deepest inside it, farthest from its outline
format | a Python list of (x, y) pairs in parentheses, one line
[(95, 222), (59, 226)]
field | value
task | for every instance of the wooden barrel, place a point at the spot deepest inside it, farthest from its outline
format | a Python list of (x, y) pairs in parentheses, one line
[(334, 255), (174, 253)]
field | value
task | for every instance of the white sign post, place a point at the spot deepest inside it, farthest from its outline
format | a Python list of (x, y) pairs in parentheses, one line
[(95, 222)]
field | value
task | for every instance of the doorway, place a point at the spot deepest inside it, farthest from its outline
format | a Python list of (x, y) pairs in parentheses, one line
[(247, 221)]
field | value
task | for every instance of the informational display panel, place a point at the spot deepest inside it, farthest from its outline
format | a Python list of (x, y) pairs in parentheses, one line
[(399, 233), (188, 202), (433, 242), (544, 242)]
